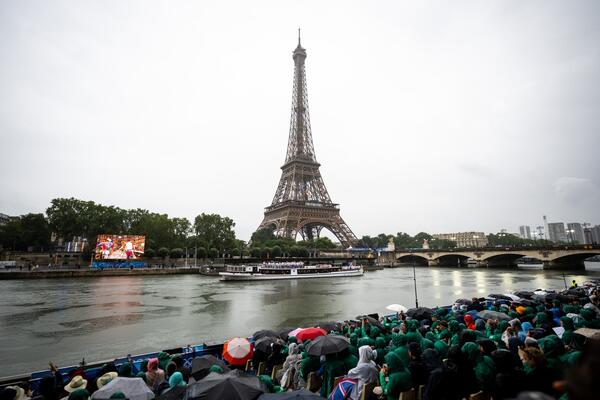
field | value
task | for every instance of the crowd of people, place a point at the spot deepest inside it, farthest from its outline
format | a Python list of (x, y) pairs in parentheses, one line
[(502, 347)]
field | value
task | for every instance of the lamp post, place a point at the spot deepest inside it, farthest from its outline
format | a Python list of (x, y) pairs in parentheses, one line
[(186, 257), (412, 258)]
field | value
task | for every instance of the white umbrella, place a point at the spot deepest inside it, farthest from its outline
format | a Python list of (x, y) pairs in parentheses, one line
[(514, 297), (397, 307), (133, 388)]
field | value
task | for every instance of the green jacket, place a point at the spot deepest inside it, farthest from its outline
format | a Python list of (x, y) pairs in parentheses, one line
[(485, 370), (398, 379), (333, 368)]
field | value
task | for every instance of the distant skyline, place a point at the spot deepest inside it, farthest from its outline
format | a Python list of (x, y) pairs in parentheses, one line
[(425, 116)]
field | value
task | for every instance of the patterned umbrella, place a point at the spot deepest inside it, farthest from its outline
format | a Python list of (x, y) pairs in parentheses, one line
[(237, 351), (310, 334)]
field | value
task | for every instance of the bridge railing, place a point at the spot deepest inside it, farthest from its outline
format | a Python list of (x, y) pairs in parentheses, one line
[(503, 248)]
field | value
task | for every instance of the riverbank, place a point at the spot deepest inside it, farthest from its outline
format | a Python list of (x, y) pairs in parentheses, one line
[(96, 273)]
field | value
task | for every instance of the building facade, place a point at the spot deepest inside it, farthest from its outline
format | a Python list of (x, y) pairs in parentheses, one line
[(556, 232), (464, 239), (525, 232), (595, 234), (575, 233)]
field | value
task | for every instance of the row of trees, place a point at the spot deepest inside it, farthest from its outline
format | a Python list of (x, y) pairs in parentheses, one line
[(405, 241), (210, 235), (69, 218)]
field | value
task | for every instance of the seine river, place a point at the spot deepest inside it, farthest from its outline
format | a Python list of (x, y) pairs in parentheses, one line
[(102, 318)]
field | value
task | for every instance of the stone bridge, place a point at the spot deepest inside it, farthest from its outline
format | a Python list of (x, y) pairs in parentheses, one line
[(552, 257)]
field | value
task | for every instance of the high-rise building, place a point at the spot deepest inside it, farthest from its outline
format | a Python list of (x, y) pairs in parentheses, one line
[(575, 233), (595, 234), (525, 232), (556, 232)]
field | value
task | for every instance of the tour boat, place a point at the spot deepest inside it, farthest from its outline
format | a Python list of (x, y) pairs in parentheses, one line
[(288, 270)]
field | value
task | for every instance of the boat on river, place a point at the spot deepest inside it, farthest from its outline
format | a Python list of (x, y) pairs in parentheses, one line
[(288, 270)]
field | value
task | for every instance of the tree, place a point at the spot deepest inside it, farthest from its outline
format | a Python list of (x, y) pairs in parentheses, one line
[(163, 252), (298, 251), (176, 253), (213, 252), (201, 252), (235, 252), (214, 231), (262, 235), (30, 231), (276, 251), (149, 253), (255, 252)]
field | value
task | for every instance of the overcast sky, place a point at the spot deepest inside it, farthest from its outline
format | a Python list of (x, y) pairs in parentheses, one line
[(426, 116)]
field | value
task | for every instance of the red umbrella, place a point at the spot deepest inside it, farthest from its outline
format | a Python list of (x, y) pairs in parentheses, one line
[(310, 334), (237, 351)]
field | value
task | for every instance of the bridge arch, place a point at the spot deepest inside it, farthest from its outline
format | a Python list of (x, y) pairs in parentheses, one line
[(418, 259), (452, 260), (502, 259), (571, 260)]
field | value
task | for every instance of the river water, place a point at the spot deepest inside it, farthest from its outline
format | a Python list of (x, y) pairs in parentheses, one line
[(102, 318)]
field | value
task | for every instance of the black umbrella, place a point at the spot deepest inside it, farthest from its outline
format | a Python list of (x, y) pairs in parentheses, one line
[(175, 393), (329, 326), (328, 344), (264, 344), (539, 297), (264, 333), (283, 334), (201, 365), (524, 294), (372, 321), (463, 301), (292, 395), (234, 385), (489, 314), (526, 302), (501, 297), (420, 313)]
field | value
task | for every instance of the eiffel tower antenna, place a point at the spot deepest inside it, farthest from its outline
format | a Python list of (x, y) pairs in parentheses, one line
[(301, 204)]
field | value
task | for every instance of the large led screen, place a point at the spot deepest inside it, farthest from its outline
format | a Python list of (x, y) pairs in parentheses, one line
[(119, 247)]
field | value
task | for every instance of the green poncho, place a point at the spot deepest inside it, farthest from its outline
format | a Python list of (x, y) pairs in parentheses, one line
[(567, 323), (398, 339), (412, 335), (309, 364), (399, 378), (485, 370), (553, 349), (441, 347), (333, 368)]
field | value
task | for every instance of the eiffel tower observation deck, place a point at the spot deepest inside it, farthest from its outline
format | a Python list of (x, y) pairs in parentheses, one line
[(301, 204)]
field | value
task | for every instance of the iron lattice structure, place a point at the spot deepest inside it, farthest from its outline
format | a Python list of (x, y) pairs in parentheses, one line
[(301, 203)]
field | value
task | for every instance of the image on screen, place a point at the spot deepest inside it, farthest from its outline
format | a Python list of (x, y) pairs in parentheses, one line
[(120, 247)]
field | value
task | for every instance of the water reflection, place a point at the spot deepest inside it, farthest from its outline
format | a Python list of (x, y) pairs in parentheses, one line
[(99, 318)]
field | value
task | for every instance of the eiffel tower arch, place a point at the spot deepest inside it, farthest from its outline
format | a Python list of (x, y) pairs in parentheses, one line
[(301, 204)]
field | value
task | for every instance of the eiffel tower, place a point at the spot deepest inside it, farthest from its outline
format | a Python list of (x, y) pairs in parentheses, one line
[(301, 203)]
